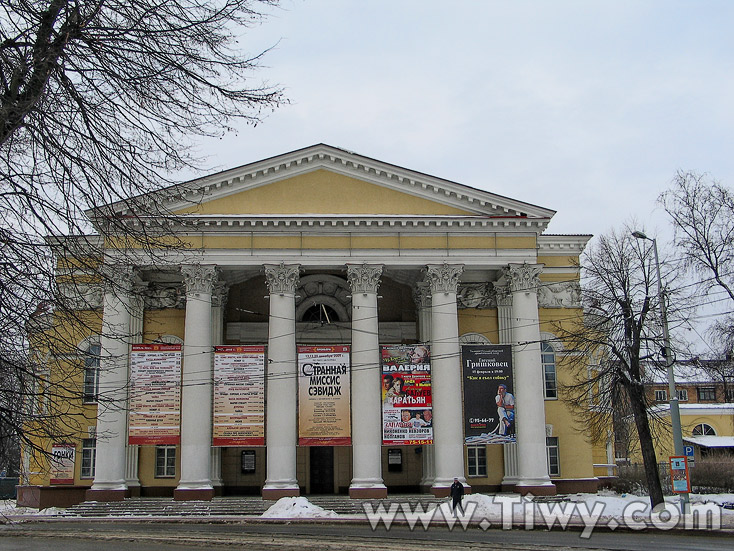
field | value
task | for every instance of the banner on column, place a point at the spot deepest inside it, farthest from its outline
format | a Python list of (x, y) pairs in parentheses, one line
[(62, 463), (407, 405), (155, 394), (239, 396), (324, 392), (489, 399)]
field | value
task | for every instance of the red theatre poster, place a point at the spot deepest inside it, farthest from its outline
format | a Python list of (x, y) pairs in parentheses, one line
[(62, 463), (407, 406), (324, 391), (239, 396), (155, 395)]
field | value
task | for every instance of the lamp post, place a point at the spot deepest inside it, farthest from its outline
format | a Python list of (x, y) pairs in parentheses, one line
[(674, 409)]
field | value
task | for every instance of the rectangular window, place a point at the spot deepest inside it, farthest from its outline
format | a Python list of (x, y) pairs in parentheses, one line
[(165, 461), (661, 395), (89, 457), (477, 459), (91, 374), (730, 394), (548, 358), (682, 394), (551, 449), (706, 393)]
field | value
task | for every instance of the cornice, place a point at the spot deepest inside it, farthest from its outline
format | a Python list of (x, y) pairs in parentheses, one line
[(254, 222), (550, 244)]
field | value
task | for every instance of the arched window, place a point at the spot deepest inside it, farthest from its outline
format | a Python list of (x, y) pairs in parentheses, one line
[(702, 429), (548, 359), (320, 313), (91, 372)]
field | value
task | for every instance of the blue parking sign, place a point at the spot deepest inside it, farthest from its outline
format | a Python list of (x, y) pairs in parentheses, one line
[(688, 451)]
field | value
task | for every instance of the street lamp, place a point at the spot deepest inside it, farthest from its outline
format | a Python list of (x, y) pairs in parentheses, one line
[(674, 409)]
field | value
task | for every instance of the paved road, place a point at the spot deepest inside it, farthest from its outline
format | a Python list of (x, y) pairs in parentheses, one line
[(172, 536)]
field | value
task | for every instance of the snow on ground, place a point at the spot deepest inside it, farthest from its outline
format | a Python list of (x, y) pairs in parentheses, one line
[(9, 508), (297, 507), (573, 509)]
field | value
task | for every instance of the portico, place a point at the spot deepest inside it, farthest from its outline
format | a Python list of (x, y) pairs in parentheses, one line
[(323, 246)]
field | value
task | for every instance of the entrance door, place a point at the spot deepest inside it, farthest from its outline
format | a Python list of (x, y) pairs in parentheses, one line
[(322, 469)]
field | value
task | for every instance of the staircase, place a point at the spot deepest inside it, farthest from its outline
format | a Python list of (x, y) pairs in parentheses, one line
[(229, 506)]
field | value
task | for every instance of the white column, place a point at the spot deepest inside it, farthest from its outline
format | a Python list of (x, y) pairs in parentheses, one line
[(366, 392), (282, 383), (109, 478), (532, 472), (219, 306), (137, 311), (422, 298), (196, 392), (448, 425), (504, 321)]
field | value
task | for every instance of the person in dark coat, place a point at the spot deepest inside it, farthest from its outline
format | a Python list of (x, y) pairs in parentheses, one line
[(457, 494)]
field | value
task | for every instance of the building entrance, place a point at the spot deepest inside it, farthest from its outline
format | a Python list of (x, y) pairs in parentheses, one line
[(322, 469)]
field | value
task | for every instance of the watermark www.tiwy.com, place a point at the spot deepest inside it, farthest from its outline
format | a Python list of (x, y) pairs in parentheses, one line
[(522, 512)]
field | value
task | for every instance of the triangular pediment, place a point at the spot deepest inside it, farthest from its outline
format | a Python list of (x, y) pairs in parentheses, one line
[(322, 192), (325, 180)]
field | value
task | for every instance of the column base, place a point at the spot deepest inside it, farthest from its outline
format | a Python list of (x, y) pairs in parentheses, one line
[(544, 490), (193, 494), (105, 495), (374, 492), (275, 494)]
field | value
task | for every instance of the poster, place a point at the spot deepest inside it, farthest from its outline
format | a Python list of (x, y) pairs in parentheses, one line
[(62, 463), (489, 398), (679, 476), (239, 396), (407, 406), (324, 394), (155, 394)]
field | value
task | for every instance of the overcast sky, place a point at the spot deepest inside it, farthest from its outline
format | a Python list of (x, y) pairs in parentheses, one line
[(584, 107)]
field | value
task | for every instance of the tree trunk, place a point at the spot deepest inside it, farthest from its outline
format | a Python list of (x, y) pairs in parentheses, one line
[(647, 448)]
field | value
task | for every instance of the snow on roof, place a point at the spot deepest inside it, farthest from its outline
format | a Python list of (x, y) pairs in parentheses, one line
[(684, 373), (695, 409), (711, 441)]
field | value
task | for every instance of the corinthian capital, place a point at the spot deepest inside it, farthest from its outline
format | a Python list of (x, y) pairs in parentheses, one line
[(220, 294), (444, 278), (199, 279), (502, 291), (282, 278), (422, 295), (118, 277), (364, 278), (523, 277)]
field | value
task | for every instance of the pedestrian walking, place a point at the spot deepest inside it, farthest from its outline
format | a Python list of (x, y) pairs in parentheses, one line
[(457, 494)]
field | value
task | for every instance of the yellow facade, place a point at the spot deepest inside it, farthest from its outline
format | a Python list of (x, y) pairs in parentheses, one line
[(325, 219)]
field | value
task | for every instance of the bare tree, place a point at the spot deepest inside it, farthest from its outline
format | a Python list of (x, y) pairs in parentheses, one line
[(702, 213), (99, 103), (622, 335)]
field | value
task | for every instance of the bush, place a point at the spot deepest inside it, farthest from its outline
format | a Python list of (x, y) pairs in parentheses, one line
[(712, 475)]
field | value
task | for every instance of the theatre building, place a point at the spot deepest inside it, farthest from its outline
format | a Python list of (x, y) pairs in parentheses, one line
[(330, 324)]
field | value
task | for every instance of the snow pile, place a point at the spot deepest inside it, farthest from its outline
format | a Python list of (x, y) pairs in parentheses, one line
[(9, 508), (297, 507), (573, 508)]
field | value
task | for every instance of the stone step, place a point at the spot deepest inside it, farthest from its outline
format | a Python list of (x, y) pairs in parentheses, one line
[(162, 507)]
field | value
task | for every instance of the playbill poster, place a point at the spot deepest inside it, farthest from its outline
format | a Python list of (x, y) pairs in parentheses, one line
[(407, 405), (489, 398), (155, 394), (324, 394), (62, 463), (239, 396)]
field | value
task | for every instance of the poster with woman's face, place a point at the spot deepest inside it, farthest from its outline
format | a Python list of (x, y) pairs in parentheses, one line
[(407, 406)]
